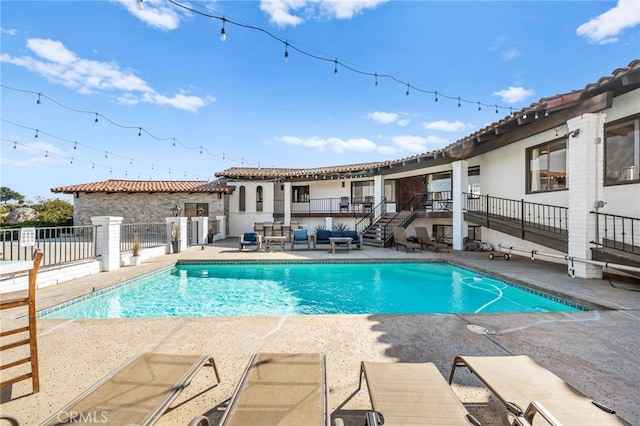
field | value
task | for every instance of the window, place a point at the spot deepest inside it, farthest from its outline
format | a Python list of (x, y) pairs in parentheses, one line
[(361, 191), (622, 151), (473, 180), (300, 194), (242, 202), (196, 209), (547, 166), (259, 199), (390, 191)]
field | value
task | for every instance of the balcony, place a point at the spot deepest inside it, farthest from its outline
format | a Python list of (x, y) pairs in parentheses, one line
[(322, 207)]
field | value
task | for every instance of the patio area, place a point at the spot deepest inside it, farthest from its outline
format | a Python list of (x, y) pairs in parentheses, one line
[(594, 351)]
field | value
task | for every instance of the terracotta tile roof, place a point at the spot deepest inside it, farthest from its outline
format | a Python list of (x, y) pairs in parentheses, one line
[(543, 106), (133, 186)]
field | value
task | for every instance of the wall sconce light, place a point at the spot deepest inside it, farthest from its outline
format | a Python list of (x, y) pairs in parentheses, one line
[(175, 210), (575, 133), (199, 211)]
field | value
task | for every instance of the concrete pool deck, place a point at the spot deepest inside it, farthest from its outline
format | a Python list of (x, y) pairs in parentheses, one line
[(594, 351)]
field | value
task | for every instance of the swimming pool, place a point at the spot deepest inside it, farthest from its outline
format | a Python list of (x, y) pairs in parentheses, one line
[(248, 289)]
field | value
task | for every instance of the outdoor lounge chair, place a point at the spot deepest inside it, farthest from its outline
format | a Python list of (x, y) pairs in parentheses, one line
[(400, 239), (525, 387), (281, 389), (411, 394), (251, 239), (301, 236), (422, 233), (138, 392)]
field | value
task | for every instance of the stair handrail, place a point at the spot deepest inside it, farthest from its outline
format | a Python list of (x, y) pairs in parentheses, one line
[(617, 232), (375, 214)]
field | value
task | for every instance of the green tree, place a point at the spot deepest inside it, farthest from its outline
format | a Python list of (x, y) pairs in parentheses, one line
[(55, 211), (7, 194)]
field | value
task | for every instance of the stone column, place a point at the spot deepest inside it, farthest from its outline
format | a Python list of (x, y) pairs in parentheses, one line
[(460, 181), (108, 241), (287, 203), (179, 223), (585, 156)]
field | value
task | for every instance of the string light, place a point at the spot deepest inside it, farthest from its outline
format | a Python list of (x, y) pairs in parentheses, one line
[(139, 131), (71, 162), (407, 93), (286, 50), (326, 59), (479, 107), (96, 117), (436, 99), (376, 83), (15, 145), (536, 116), (496, 109), (38, 101), (223, 32), (36, 133)]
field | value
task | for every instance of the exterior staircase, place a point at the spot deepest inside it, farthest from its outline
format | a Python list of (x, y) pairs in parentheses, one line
[(380, 233)]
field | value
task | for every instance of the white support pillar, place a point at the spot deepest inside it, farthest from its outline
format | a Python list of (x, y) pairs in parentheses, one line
[(585, 154), (222, 231), (287, 203), (199, 230), (378, 192), (460, 180), (108, 241)]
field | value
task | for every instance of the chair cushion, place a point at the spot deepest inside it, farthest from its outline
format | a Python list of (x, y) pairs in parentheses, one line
[(300, 235), (336, 234), (323, 234), (352, 234), (250, 237)]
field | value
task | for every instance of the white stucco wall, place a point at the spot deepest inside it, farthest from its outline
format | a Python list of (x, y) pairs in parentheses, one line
[(241, 222)]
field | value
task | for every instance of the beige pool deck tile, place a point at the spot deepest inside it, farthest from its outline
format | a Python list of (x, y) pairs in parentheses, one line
[(594, 351)]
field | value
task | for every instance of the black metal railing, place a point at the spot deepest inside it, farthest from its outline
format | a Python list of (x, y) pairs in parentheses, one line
[(432, 201), (374, 213), (59, 244), (618, 232), (328, 206), (526, 214), (151, 235)]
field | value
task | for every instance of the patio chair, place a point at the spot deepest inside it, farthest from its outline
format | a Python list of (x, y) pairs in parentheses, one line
[(281, 389), (411, 394), (250, 239), (400, 239), (138, 392), (519, 382), (344, 204), (276, 229), (422, 233), (259, 228), (301, 236)]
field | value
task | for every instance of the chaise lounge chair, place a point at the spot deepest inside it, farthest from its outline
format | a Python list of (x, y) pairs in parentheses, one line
[(411, 394), (527, 388), (400, 239), (281, 389), (138, 392), (422, 234)]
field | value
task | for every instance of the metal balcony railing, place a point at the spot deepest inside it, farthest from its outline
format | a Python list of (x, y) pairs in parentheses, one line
[(618, 232)]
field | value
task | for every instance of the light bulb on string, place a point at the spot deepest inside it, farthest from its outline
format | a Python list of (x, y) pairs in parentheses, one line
[(376, 83), (106, 154), (436, 99), (459, 104), (38, 101), (201, 150), (335, 66), (174, 141), (71, 162), (139, 131), (535, 117), (75, 145), (223, 32), (286, 50), (93, 166), (36, 134), (496, 108), (46, 154), (96, 120), (546, 112), (407, 93), (479, 106), (15, 145), (524, 116), (131, 161)]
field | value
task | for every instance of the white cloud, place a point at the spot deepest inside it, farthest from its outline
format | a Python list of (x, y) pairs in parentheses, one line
[(403, 122), (156, 13), (514, 95), (295, 12), (510, 54), (338, 145), (603, 29), (383, 117), (446, 126), (9, 31), (60, 65), (410, 143), (389, 150)]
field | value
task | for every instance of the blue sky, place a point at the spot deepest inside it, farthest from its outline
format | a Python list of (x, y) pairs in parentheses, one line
[(163, 72)]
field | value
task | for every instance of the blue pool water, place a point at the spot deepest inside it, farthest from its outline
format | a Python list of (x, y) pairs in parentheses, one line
[(308, 289)]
